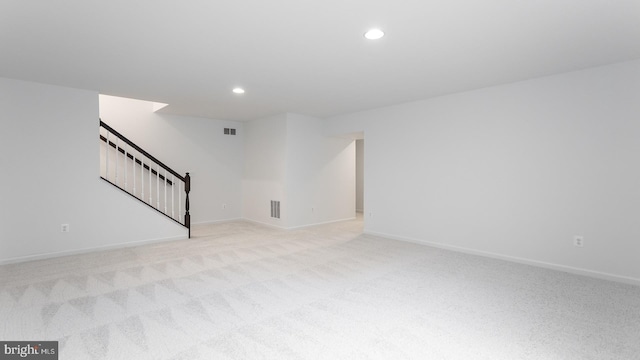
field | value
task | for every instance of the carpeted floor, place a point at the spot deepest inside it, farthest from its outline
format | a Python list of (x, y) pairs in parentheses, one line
[(243, 291)]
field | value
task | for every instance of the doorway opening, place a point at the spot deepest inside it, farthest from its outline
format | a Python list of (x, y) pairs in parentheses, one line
[(359, 177)]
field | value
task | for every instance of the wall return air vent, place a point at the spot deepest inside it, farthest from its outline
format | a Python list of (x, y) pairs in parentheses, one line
[(275, 209), (229, 131)]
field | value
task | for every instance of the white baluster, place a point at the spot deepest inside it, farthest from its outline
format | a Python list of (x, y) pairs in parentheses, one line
[(157, 186), (125, 167), (150, 199), (134, 175), (179, 200), (142, 178), (173, 196), (117, 156), (165, 191), (106, 161)]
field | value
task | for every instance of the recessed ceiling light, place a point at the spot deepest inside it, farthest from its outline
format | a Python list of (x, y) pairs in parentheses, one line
[(374, 34), (238, 90)]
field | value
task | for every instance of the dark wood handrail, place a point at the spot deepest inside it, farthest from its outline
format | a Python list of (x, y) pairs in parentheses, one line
[(139, 149), (138, 161), (185, 179)]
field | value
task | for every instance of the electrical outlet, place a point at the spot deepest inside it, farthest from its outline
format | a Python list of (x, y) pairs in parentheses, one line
[(224, 206), (64, 228), (312, 210), (578, 241)]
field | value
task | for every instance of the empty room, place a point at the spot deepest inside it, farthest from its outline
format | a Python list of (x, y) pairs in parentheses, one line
[(320, 180)]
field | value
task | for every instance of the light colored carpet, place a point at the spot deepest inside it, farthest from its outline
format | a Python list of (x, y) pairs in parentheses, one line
[(243, 291)]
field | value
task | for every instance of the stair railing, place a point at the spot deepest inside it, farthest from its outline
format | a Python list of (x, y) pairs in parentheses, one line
[(136, 172)]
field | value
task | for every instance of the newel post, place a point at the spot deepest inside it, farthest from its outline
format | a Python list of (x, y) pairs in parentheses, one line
[(187, 216)]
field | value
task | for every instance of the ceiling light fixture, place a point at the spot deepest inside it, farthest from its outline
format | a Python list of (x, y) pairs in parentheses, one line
[(374, 34), (238, 90)]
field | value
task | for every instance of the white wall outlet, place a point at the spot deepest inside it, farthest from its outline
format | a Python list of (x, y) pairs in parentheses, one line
[(578, 241), (224, 206), (64, 228), (312, 209)]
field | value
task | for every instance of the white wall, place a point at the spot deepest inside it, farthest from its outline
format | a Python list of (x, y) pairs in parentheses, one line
[(49, 154), (320, 174), (360, 175), (187, 144), (265, 169), (513, 171), (287, 158)]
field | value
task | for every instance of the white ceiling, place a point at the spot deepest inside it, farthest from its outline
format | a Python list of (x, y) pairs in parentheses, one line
[(304, 56)]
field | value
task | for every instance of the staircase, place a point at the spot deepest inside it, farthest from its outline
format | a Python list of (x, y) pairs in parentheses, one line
[(131, 169)]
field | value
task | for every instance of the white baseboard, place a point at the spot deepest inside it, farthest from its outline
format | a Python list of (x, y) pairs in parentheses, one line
[(217, 221), (532, 262), (297, 227), (264, 224), (88, 250), (320, 223)]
